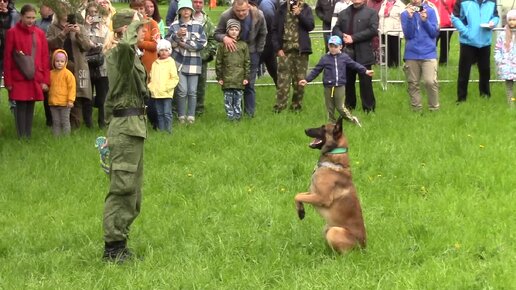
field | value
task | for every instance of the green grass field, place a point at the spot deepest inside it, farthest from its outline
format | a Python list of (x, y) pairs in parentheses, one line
[(437, 191)]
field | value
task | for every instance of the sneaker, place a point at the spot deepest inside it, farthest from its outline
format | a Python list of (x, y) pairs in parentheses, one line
[(190, 119), (181, 119)]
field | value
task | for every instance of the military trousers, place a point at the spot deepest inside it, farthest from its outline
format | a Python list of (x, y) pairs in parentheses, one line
[(291, 69), (123, 202)]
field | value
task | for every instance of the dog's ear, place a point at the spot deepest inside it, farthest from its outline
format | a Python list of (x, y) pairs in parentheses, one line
[(338, 129)]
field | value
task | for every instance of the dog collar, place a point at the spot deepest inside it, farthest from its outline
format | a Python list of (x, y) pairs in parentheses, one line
[(339, 150)]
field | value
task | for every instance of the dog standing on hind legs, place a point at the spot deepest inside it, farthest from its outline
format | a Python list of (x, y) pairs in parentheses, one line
[(332, 192)]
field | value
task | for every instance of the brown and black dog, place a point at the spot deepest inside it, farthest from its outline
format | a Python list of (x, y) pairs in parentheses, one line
[(332, 192)]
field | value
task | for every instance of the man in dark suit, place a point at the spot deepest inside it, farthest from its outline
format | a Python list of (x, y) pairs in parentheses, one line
[(357, 25)]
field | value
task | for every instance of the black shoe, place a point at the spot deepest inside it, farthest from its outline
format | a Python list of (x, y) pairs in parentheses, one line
[(116, 252)]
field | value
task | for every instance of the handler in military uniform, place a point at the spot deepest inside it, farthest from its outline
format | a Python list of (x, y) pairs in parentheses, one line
[(125, 115)]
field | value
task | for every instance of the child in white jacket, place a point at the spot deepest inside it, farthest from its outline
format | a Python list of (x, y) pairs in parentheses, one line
[(505, 55), (163, 80)]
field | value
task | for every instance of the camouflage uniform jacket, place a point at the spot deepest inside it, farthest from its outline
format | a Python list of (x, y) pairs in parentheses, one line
[(127, 86), (233, 67), (208, 52)]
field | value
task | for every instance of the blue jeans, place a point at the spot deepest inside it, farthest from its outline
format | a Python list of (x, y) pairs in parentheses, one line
[(249, 92), (186, 89), (164, 111), (233, 103)]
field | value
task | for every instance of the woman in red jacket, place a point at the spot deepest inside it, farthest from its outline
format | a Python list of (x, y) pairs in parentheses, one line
[(26, 91)]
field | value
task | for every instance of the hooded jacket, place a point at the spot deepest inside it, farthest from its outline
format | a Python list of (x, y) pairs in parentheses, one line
[(163, 78), (80, 45), (62, 84), (19, 38), (420, 35), (467, 17), (233, 67)]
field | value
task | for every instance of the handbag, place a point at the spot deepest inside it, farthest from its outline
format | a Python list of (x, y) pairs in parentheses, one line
[(95, 57), (25, 63)]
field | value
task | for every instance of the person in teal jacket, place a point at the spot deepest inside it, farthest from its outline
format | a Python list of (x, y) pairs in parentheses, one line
[(127, 130), (474, 20)]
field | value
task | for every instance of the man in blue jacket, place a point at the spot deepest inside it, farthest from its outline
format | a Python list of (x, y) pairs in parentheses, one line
[(421, 28), (474, 19)]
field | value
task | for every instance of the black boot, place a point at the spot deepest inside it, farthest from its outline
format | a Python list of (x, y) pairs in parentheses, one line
[(116, 252)]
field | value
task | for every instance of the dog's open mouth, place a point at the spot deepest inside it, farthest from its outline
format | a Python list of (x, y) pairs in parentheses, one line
[(316, 143)]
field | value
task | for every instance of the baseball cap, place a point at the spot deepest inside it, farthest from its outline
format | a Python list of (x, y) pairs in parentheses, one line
[(335, 40)]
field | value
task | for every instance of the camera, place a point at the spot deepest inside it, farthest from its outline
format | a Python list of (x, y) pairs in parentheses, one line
[(292, 3), (96, 19), (418, 8), (71, 19)]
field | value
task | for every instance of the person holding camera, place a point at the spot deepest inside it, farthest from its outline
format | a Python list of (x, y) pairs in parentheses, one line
[(98, 30), (188, 40), (357, 25), (67, 33), (421, 29), (291, 42)]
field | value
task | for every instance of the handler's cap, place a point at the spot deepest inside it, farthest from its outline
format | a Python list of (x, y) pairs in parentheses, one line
[(232, 23), (123, 17), (335, 40)]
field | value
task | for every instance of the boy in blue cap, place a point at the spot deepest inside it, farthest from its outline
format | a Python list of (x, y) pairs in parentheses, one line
[(334, 63)]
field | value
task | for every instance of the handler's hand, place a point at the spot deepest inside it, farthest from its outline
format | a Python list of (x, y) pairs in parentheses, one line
[(229, 43), (302, 83), (369, 72)]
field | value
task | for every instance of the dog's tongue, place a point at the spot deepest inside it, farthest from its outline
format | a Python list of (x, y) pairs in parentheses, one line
[(315, 142)]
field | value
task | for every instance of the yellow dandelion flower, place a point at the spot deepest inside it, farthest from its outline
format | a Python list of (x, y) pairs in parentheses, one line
[(481, 146), (189, 175), (457, 246), (282, 189)]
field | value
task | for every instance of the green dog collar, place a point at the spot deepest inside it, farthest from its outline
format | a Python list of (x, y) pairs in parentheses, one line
[(339, 150)]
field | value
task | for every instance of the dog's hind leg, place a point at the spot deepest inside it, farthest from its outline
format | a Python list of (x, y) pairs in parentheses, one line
[(340, 239)]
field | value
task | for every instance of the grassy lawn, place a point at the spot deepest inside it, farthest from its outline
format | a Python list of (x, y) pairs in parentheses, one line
[(437, 190), (438, 193)]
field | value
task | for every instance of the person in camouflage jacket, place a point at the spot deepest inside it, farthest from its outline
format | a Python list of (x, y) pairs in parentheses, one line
[(232, 69)]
